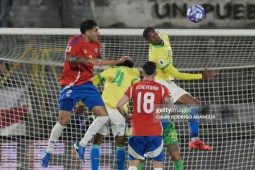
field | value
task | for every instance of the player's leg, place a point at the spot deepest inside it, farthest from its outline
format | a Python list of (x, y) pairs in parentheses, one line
[(133, 164), (155, 150), (93, 100), (95, 151), (66, 105), (118, 125), (171, 143), (180, 96), (136, 148), (157, 165), (193, 105)]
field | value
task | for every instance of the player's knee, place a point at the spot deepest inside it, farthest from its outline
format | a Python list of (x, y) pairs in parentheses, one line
[(132, 168), (100, 111), (175, 157), (102, 119)]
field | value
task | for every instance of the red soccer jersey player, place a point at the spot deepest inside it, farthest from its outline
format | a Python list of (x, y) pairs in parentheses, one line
[(146, 140), (79, 73), (146, 94), (82, 52)]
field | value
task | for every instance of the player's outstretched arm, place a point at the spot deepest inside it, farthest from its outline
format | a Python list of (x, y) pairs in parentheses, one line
[(172, 71), (114, 62)]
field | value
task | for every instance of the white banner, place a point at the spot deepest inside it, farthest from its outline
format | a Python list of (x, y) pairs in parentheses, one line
[(172, 13), (15, 105)]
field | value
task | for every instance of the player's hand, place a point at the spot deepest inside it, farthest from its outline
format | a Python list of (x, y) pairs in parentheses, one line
[(207, 74), (124, 58), (96, 61), (128, 117), (80, 110)]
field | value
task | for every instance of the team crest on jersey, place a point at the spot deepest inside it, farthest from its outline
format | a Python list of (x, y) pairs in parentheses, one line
[(68, 48), (85, 51), (96, 49), (90, 56), (169, 53), (161, 62)]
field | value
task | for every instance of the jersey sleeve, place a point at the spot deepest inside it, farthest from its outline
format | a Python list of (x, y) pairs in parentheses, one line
[(137, 77), (170, 70), (128, 92), (99, 78), (166, 92), (73, 46)]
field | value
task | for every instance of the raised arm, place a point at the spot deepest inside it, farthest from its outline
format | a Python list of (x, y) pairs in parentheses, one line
[(114, 62), (172, 71), (77, 60)]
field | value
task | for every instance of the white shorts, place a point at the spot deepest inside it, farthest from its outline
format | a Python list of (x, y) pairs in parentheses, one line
[(116, 121), (175, 91)]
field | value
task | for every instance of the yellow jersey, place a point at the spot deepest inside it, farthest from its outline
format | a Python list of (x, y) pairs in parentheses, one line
[(116, 81), (162, 56)]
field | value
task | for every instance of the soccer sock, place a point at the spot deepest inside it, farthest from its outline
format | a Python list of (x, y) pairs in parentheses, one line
[(95, 157), (93, 129), (140, 166), (194, 122), (55, 134), (132, 168), (158, 169), (178, 165), (120, 157)]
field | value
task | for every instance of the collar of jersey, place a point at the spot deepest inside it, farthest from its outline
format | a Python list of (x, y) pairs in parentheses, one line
[(158, 46)]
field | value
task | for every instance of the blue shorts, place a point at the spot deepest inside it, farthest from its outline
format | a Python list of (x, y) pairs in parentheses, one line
[(87, 93), (146, 147)]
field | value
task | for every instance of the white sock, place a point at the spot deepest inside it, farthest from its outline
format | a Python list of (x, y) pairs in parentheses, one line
[(55, 134), (158, 169), (132, 168), (194, 139), (93, 129)]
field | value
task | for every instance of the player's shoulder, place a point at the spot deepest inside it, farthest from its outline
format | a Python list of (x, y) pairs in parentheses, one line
[(165, 37), (75, 39)]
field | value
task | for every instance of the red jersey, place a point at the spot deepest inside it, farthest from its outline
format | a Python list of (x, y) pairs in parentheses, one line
[(76, 74), (145, 95)]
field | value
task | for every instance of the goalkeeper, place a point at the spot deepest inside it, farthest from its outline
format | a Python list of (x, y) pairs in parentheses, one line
[(116, 81), (160, 52)]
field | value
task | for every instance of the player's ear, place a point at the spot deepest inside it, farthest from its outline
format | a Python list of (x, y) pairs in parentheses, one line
[(143, 74), (155, 73)]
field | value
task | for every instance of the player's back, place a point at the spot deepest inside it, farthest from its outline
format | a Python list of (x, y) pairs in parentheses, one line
[(117, 80), (146, 95)]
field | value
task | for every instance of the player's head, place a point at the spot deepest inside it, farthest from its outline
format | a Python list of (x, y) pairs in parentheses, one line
[(149, 69), (89, 29), (127, 63), (152, 36)]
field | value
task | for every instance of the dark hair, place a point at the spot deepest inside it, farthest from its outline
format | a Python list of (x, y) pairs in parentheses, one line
[(146, 31), (87, 25), (127, 63), (149, 68)]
